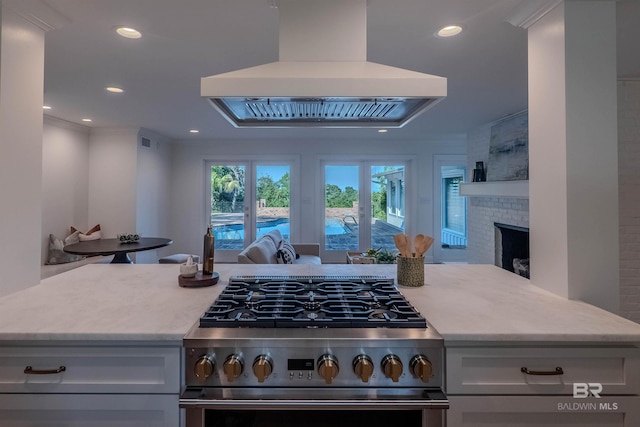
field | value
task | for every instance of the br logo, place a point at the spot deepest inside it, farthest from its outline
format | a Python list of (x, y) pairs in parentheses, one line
[(584, 390)]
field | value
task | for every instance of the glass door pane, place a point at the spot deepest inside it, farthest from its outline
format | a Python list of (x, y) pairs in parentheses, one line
[(454, 218), (341, 202), (387, 205), (227, 205), (273, 198)]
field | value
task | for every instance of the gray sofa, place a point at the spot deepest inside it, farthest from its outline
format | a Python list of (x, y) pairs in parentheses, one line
[(263, 251)]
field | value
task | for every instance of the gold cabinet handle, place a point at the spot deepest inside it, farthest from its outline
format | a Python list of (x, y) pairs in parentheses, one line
[(30, 370), (558, 371)]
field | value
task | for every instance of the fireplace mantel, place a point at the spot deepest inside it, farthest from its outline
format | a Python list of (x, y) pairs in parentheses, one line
[(518, 189)]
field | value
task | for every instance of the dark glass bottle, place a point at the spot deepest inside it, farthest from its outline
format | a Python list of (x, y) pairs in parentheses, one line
[(208, 252)]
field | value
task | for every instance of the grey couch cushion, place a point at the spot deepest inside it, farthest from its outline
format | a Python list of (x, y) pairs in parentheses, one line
[(57, 255), (262, 251), (308, 259)]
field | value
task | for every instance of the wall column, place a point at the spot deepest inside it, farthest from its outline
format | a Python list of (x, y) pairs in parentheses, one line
[(573, 152), (21, 95)]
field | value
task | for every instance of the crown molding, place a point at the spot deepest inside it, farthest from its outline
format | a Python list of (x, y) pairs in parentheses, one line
[(629, 79), (65, 124), (39, 13), (528, 12)]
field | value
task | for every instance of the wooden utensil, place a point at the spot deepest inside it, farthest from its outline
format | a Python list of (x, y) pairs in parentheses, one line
[(417, 244), (401, 243), (426, 243), (408, 246)]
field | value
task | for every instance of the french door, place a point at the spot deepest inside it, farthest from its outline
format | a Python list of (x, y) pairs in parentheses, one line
[(450, 208), (364, 204), (245, 200)]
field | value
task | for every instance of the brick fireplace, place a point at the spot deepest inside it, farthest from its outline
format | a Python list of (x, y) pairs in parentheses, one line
[(512, 248)]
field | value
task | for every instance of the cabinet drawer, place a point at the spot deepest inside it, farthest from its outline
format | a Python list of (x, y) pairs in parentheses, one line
[(496, 370), (89, 410), (536, 411), (90, 370)]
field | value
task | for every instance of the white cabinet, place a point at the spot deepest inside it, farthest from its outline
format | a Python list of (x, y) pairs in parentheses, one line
[(542, 411), (89, 386), (88, 410), (533, 385)]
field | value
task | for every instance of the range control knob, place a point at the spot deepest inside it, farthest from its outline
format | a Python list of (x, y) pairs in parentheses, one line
[(421, 367), (363, 367), (262, 367), (392, 367), (204, 367), (233, 367), (328, 367)]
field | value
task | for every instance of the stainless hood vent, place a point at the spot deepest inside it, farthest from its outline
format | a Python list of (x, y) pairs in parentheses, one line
[(322, 81)]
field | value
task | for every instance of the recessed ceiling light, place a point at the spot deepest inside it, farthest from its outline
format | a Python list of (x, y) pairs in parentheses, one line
[(129, 33), (449, 31), (194, 131), (46, 107), (382, 131), (87, 120), (114, 89)]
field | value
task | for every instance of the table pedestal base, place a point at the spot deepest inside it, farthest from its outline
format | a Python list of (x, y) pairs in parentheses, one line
[(121, 258)]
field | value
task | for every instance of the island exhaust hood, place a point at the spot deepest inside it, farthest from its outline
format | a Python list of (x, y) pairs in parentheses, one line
[(322, 78)]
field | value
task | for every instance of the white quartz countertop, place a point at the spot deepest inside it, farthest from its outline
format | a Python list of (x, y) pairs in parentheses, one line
[(143, 302)]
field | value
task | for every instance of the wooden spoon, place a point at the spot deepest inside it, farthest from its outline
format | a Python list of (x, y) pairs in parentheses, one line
[(401, 243), (417, 244), (427, 241)]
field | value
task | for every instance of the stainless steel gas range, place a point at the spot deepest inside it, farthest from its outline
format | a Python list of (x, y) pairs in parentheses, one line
[(313, 351)]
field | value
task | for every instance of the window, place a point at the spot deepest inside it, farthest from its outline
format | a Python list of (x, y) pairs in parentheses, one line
[(454, 218), (273, 198), (227, 197), (341, 207)]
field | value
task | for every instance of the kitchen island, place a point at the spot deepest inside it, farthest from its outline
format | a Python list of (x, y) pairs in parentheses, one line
[(117, 330)]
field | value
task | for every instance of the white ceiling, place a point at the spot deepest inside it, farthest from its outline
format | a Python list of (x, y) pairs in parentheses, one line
[(184, 40)]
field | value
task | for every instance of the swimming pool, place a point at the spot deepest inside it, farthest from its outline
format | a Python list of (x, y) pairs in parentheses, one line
[(332, 227)]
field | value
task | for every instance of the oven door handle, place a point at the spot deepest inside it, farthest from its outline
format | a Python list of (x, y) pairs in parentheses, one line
[(314, 404), (334, 398)]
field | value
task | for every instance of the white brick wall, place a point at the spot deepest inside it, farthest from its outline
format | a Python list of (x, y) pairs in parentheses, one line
[(484, 211), (629, 194)]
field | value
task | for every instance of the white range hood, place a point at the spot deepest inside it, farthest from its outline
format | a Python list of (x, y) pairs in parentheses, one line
[(322, 78)]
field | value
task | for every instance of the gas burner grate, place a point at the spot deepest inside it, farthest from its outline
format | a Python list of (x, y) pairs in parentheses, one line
[(312, 302)]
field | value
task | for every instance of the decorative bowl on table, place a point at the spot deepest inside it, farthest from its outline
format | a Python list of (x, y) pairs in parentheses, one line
[(128, 237)]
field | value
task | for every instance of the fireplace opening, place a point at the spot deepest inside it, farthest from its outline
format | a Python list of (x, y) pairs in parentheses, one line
[(512, 248)]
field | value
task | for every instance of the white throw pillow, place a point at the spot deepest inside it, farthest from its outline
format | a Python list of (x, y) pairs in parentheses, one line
[(286, 253), (93, 234)]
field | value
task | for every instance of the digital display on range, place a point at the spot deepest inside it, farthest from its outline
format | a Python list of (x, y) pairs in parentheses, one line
[(300, 364)]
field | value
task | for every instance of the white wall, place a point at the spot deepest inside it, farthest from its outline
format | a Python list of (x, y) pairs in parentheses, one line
[(65, 179), (112, 180), (629, 192), (21, 94), (188, 221), (153, 193)]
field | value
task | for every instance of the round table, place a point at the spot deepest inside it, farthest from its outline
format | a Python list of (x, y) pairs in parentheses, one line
[(114, 247)]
